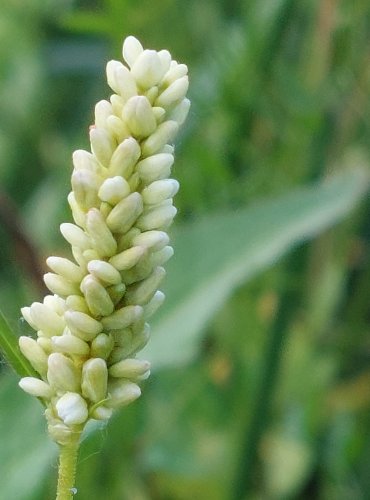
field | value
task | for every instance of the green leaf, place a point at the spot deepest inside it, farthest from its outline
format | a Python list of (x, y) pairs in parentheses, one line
[(9, 348), (218, 253), (26, 453)]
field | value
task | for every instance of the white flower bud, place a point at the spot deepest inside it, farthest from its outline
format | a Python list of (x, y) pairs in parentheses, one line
[(97, 298), (66, 268), (72, 409), (94, 379), (125, 213), (83, 160), (77, 212), (111, 74), (129, 368), (45, 344), (140, 340), (142, 377), (36, 387), (90, 254), (114, 189), (165, 133), (26, 313), (59, 285), (103, 109), (180, 112), (76, 303), (161, 257), (124, 158), (168, 148), (118, 128), (75, 236), (152, 94), (46, 319), (147, 69), (159, 113), (69, 344), (60, 433), (139, 272), (123, 340), (122, 392), (101, 413), (132, 48), (139, 116), (165, 58), (175, 72), (78, 255), (34, 353), (155, 240), (57, 304), (154, 304), (62, 373), (82, 325), (102, 145), (155, 167), (122, 318), (159, 191), (141, 293), (104, 272), (103, 240), (128, 258), (156, 218), (174, 93), (126, 85), (117, 104), (85, 185), (102, 346)]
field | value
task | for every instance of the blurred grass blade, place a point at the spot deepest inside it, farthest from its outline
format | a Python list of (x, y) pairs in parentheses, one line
[(9, 348), (217, 254), (26, 453)]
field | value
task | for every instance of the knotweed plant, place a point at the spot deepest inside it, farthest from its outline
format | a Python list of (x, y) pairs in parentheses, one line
[(92, 326)]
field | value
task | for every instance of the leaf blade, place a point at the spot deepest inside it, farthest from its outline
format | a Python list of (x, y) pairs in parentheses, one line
[(10, 349), (234, 247)]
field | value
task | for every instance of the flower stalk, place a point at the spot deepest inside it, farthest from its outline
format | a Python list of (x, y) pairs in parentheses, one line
[(95, 321)]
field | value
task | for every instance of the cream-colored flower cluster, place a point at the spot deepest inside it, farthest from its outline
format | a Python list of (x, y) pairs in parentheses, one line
[(90, 330)]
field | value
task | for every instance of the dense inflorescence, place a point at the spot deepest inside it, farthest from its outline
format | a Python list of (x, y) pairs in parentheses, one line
[(90, 330)]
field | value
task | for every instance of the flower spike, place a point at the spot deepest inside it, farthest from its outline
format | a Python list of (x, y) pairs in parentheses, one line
[(91, 328)]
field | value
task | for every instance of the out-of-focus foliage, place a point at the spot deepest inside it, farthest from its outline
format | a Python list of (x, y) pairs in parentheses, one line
[(273, 399)]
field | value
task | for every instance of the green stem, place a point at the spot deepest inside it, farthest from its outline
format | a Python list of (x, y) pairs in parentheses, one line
[(67, 469), (266, 385)]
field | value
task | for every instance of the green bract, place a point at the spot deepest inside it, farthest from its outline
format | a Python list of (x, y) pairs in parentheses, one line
[(92, 327)]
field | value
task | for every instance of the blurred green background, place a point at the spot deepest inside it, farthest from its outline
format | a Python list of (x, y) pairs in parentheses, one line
[(261, 379)]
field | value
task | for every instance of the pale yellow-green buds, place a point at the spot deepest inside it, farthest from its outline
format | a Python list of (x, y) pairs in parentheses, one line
[(34, 353), (90, 331), (129, 368), (122, 392), (36, 387), (70, 344), (94, 379), (62, 374), (72, 408)]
